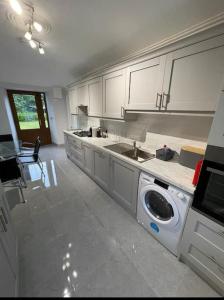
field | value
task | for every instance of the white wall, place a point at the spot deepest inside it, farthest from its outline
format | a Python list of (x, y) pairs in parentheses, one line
[(58, 118)]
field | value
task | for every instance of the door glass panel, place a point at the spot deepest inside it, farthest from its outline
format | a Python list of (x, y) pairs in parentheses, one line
[(26, 110), (45, 110), (158, 206)]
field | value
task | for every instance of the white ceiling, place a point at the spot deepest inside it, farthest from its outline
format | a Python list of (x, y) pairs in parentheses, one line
[(81, 35)]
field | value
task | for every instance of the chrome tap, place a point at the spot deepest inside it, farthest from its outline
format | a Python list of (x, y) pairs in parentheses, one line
[(135, 148)]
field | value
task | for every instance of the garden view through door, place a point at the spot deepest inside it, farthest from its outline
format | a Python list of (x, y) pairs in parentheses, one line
[(30, 116)]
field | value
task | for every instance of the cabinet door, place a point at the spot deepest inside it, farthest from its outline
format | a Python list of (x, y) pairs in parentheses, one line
[(8, 236), (95, 97), (8, 279), (124, 184), (203, 246), (82, 94), (194, 77), (114, 94), (87, 158), (144, 84), (101, 168), (73, 100)]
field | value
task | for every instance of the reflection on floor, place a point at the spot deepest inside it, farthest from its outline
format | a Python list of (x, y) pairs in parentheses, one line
[(74, 240)]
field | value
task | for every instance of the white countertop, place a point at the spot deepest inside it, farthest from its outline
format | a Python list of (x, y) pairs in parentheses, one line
[(169, 171)]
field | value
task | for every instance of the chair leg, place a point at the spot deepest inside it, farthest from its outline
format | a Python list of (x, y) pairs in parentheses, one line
[(40, 164), (21, 192)]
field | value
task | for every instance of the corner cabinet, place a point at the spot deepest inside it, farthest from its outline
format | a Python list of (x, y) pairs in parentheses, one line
[(194, 77), (124, 184), (73, 100), (144, 84), (202, 248), (114, 94), (95, 92)]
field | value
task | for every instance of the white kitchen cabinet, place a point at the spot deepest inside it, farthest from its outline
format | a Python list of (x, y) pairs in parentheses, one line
[(216, 134), (124, 184), (74, 150), (95, 92), (144, 84), (73, 100), (194, 77), (101, 168), (87, 158), (202, 247), (114, 94), (7, 277), (8, 251), (82, 94)]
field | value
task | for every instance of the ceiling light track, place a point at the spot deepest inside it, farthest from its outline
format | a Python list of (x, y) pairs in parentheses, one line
[(32, 25)]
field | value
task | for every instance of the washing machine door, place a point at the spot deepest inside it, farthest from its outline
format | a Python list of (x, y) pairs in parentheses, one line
[(159, 205)]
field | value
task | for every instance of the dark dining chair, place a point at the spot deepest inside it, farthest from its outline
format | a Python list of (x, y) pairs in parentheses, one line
[(11, 174), (6, 138), (32, 157)]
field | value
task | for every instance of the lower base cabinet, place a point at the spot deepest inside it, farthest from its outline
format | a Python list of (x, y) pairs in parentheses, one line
[(118, 178), (202, 248), (101, 168), (8, 251), (124, 184), (87, 153)]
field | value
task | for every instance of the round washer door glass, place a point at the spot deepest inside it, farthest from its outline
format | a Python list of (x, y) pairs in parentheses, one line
[(158, 206)]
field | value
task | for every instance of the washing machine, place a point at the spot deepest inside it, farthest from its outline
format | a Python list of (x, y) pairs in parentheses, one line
[(162, 210)]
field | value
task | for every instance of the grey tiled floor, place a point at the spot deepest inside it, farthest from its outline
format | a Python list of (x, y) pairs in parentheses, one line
[(74, 240)]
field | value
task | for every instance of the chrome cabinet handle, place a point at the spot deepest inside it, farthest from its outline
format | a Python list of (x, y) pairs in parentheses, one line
[(218, 172), (122, 111), (3, 223), (4, 215), (167, 100), (157, 98), (212, 258)]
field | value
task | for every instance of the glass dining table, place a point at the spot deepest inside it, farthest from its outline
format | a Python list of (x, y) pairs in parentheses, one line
[(8, 149)]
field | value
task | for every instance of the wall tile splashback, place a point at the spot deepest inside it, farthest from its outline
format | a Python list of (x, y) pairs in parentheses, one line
[(188, 127)]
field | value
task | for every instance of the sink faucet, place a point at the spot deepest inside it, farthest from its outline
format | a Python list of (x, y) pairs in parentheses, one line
[(135, 148)]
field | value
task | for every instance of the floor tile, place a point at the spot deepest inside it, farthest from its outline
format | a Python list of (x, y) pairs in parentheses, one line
[(75, 240)]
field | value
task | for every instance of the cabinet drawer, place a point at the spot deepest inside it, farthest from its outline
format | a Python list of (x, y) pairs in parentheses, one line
[(207, 266), (210, 249)]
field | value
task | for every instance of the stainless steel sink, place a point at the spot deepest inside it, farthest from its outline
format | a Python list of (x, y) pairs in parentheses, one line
[(139, 155), (128, 151)]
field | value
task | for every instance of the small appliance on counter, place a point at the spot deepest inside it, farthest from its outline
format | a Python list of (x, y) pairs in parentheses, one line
[(190, 156), (165, 153), (99, 132)]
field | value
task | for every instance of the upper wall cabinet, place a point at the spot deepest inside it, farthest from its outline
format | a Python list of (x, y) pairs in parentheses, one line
[(95, 106), (144, 84), (73, 100), (114, 94), (194, 77), (82, 94)]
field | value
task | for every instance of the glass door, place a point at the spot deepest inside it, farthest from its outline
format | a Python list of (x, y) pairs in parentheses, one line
[(30, 116)]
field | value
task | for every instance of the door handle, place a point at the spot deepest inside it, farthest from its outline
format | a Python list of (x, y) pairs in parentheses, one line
[(157, 98), (3, 224), (167, 100), (4, 215), (122, 111)]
